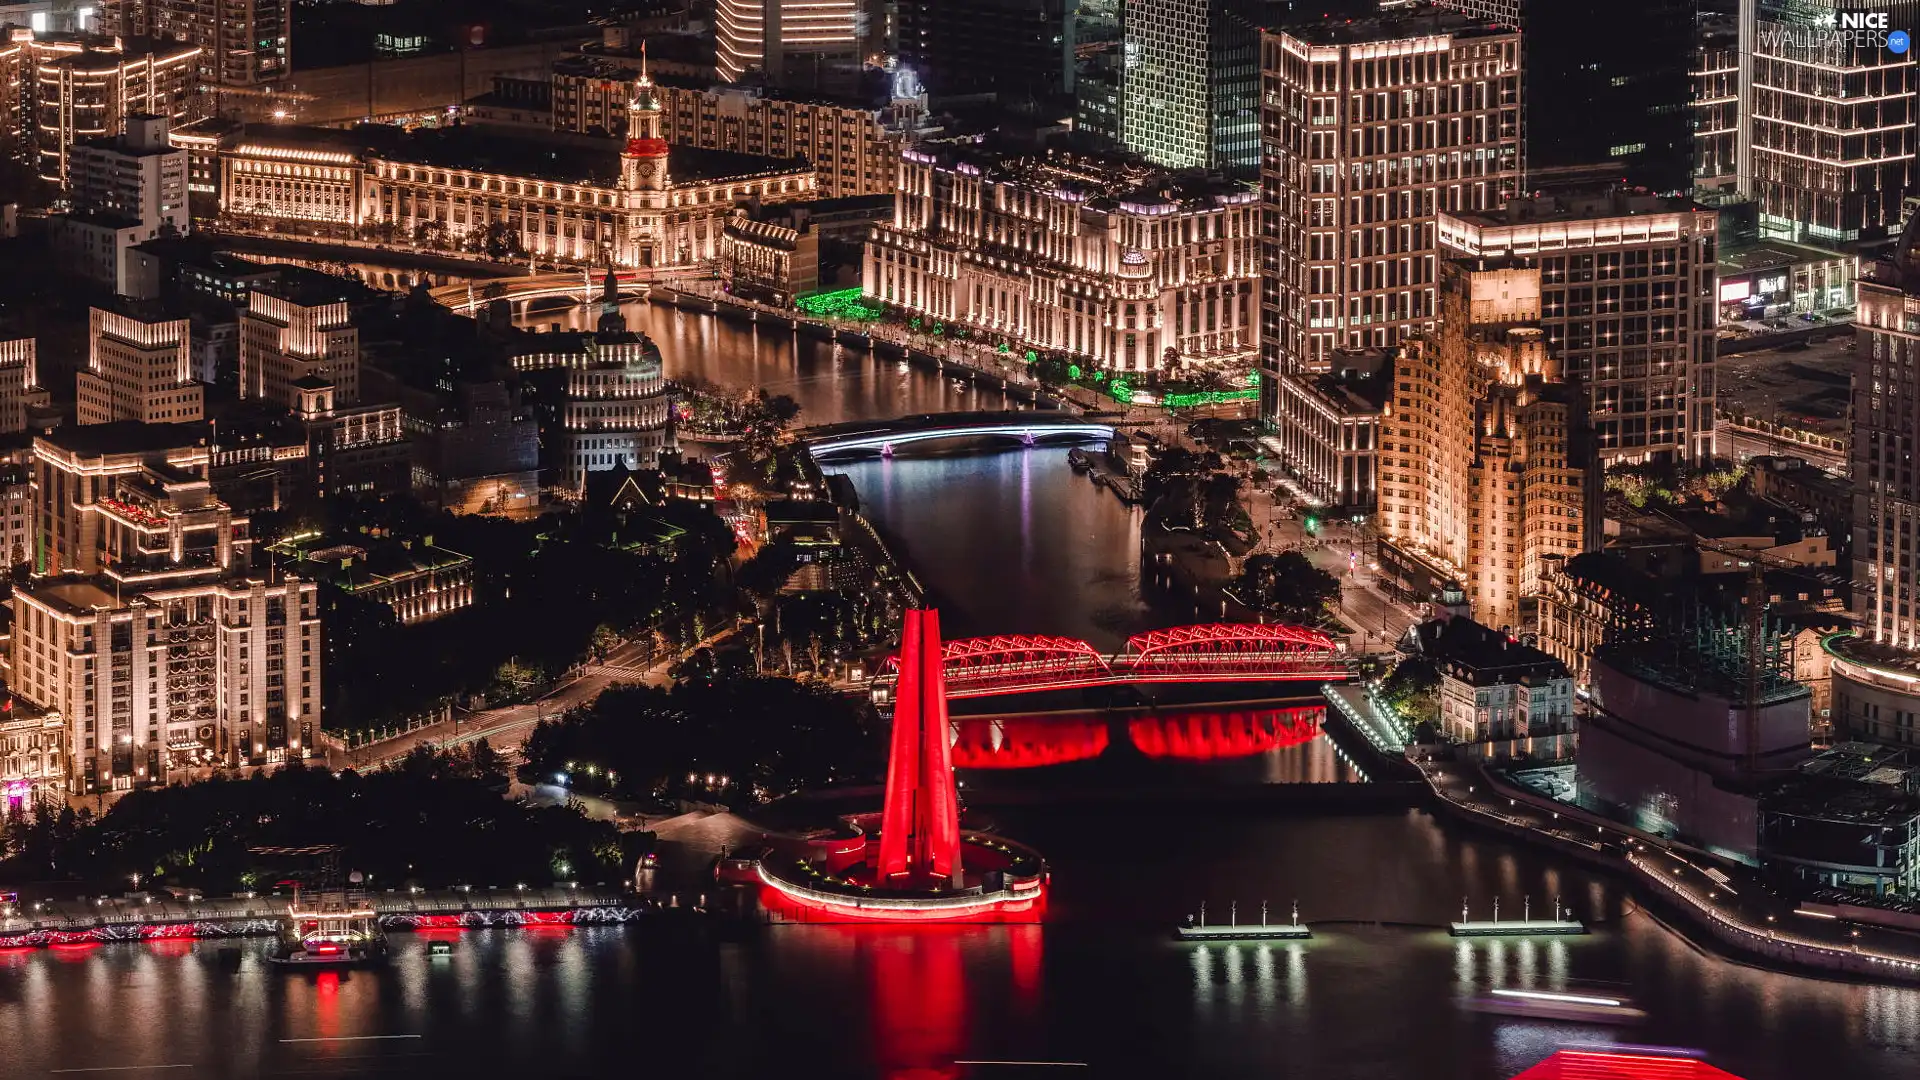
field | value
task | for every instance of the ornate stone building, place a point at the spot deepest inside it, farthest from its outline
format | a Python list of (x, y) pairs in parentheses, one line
[(572, 199), (1112, 262), (1486, 465)]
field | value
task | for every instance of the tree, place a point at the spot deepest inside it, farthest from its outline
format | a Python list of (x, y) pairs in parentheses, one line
[(1413, 689), (763, 575), (486, 764), (432, 234), (764, 736), (1221, 495), (1287, 586), (499, 241), (1052, 371), (765, 419)]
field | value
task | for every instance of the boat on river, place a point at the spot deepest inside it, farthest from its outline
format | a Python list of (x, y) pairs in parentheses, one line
[(330, 929)]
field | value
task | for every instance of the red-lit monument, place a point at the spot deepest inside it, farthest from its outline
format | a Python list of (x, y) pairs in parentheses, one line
[(921, 865)]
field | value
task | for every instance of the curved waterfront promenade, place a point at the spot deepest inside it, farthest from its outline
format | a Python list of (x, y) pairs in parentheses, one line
[(1736, 913)]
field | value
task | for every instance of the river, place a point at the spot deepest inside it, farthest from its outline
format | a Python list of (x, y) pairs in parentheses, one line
[(1010, 542)]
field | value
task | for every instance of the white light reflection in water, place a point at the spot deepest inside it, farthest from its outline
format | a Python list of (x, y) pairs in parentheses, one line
[(1249, 973), (1529, 959), (1557, 955), (1296, 974)]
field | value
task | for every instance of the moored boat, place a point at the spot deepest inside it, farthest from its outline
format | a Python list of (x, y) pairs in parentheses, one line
[(330, 929)]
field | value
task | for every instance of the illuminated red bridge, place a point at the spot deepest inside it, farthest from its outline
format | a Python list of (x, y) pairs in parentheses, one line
[(1211, 652)]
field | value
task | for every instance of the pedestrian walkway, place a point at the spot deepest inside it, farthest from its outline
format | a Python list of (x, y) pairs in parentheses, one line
[(1727, 901)]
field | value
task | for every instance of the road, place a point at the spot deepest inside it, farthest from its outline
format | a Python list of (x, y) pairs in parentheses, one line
[(505, 728), (1340, 550)]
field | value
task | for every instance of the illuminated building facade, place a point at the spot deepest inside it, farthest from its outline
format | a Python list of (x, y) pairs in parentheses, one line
[(90, 94), (290, 334), (138, 175), (806, 43), (1372, 129), (602, 397), (1627, 304), (1191, 92), (144, 628), (1886, 423), (1328, 426), (434, 189), (1716, 105), (1486, 468), (270, 176), (1499, 699), (33, 750), (138, 368), (20, 387), (854, 149), (769, 259), (1828, 142), (1119, 265), (243, 43)]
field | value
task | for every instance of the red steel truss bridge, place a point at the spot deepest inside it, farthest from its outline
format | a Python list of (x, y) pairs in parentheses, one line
[(1210, 652)]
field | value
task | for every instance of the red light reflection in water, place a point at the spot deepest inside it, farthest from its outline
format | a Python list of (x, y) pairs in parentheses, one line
[(326, 1003), (919, 1006), (1026, 742), (920, 986), (1204, 735), (170, 946)]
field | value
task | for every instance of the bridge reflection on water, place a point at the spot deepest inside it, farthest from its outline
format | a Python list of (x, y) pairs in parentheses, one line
[(1263, 743)]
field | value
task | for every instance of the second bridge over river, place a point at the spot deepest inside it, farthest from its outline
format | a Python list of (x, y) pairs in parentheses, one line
[(885, 436)]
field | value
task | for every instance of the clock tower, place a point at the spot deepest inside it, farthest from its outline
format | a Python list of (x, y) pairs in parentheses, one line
[(643, 175), (643, 165)]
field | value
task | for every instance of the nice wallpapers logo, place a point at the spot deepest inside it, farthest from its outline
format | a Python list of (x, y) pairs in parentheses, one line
[(1854, 29)]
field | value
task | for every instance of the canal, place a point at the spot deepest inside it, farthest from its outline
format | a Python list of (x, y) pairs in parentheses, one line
[(1010, 542)]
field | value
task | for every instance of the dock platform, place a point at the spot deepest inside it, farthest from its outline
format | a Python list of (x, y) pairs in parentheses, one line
[(1268, 932), (1519, 928)]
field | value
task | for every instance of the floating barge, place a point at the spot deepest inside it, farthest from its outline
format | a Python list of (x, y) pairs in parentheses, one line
[(1269, 932), (1519, 928)]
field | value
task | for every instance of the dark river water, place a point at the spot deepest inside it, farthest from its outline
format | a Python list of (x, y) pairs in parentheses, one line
[(1009, 542)]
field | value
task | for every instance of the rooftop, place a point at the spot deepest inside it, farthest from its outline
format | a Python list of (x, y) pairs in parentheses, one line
[(488, 150), (1102, 181), (313, 288), (1614, 202), (359, 560), (75, 595), (1417, 20), (1898, 663), (1867, 763), (1484, 654), (1670, 664), (1769, 255), (1842, 801), (125, 437)]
